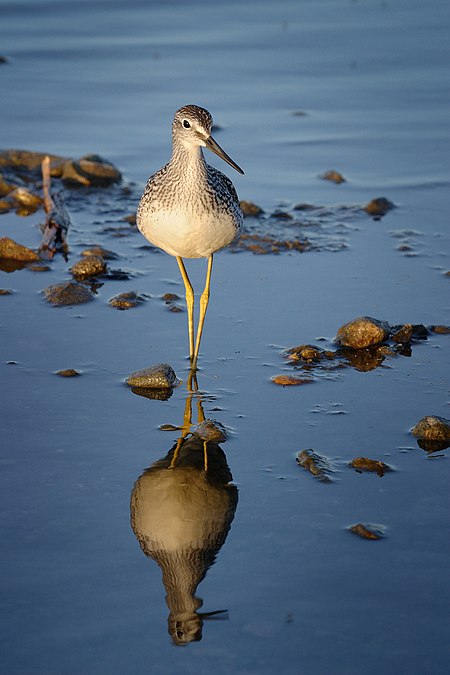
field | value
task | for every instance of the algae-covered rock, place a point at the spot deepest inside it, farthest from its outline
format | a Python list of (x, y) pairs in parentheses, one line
[(333, 176), (90, 170), (250, 209), (210, 430)]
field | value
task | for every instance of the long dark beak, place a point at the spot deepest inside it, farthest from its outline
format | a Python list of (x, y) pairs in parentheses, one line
[(215, 147)]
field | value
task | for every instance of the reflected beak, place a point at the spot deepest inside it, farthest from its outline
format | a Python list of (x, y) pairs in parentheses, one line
[(215, 147)]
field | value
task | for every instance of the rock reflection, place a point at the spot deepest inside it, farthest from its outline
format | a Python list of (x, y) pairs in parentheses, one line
[(182, 508)]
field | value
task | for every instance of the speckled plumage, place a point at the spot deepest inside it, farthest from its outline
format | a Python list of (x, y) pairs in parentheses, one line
[(189, 208)]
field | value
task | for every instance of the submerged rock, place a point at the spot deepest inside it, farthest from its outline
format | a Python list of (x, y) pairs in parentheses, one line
[(68, 293), (160, 376), (290, 380), (362, 332), (366, 464), (11, 250), (68, 372), (318, 465), (126, 300), (90, 170), (333, 176), (379, 206), (403, 334), (440, 330), (371, 532), (250, 209), (308, 354), (432, 428), (99, 251), (89, 266)]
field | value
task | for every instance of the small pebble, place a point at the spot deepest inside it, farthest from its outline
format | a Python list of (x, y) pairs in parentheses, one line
[(366, 464), (290, 380), (403, 334), (68, 372), (371, 532), (160, 376), (318, 465), (333, 176)]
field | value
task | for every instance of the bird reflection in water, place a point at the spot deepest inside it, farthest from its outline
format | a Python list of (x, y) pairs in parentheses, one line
[(181, 511)]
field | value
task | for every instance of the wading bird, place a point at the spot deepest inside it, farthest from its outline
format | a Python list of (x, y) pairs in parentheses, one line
[(190, 209)]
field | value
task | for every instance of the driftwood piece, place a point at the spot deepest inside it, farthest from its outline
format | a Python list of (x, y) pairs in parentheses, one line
[(57, 219)]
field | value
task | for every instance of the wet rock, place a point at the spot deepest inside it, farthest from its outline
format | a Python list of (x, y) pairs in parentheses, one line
[(281, 215), (290, 380), (68, 372), (99, 251), (318, 465), (420, 332), (3, 59), (250, 209), (24, 160), (432, 428), (379, 206), (366, 464), (440, 330), (5, 291), (11, 250), (362, 332), (265, 244), (160, 376), (90, 170), (126, 300), (333, 176), (68, 293), (170, 297), (23, 197), (304, 207), (308, 354), (371, 532), (38, 267), (210, 430), (89, 266), (131, 219), (403, 335), (6, 187)]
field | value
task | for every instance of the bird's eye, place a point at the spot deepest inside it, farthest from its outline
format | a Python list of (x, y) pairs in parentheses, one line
[(186, 124)]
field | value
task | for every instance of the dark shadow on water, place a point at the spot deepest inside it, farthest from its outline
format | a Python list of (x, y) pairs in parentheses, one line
[(182, 508)]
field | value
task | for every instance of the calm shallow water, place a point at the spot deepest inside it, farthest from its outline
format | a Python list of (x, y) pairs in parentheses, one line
[(302, 594)]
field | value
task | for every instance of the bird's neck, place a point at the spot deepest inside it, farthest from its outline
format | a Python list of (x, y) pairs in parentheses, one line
[(188, 157)]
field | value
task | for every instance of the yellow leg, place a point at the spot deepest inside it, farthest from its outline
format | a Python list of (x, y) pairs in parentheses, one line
[(204, 299), (190, 306), (186, 428)]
